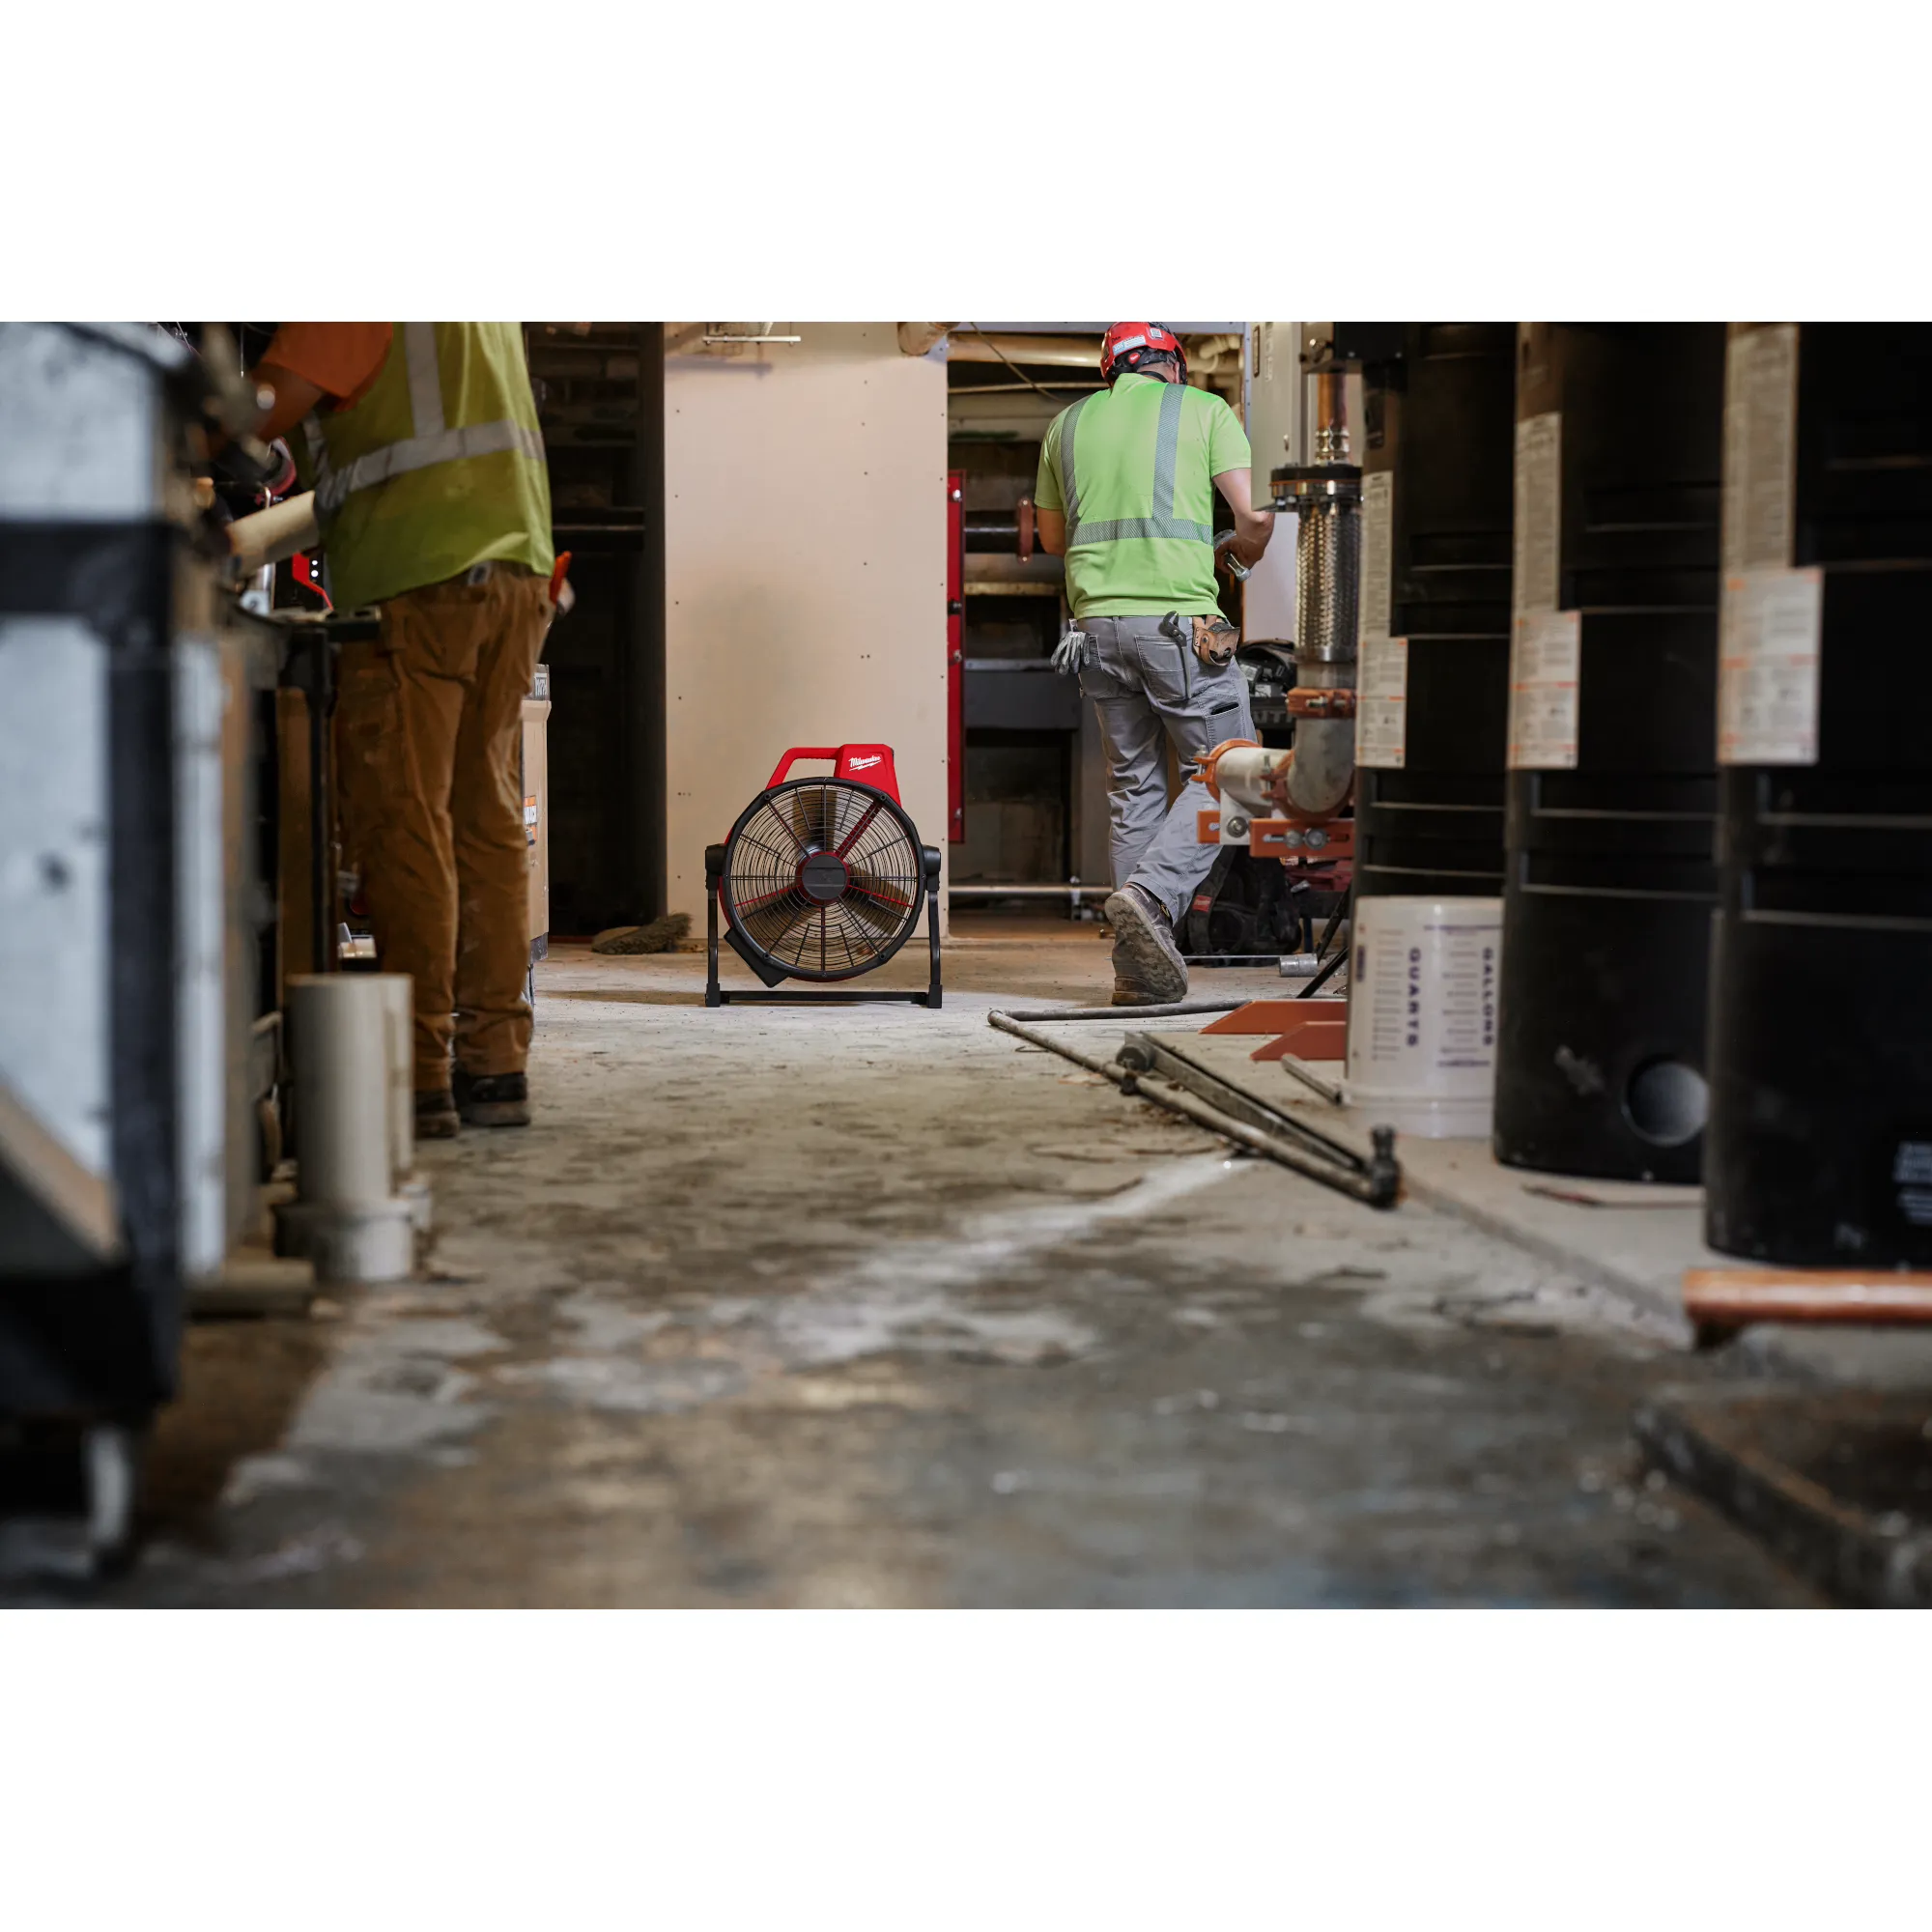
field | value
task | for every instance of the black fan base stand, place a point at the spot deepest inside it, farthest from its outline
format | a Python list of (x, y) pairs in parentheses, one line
[(716, 995)]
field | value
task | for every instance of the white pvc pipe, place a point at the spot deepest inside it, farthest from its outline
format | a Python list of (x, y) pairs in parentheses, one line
[(399, 1014), (267, 536), (1243, 774), (340, 1035)]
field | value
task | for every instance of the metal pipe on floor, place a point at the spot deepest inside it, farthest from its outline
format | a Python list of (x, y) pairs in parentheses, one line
[(1376, 1186)]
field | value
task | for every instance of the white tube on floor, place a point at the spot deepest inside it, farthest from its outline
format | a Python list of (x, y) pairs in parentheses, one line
[(1422, 1014), (348, 1219), (339, 1028)]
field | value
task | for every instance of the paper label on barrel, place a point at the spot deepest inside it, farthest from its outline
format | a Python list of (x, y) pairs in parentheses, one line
[(1378, 555), (1381, 704), (1539, 513), (1760, 447), (1546, 653), (1768, 632)]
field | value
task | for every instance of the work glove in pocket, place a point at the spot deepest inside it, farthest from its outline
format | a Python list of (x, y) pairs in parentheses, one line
[(1216, 641)]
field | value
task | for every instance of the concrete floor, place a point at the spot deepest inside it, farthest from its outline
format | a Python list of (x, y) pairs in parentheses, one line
[(870, 1306)]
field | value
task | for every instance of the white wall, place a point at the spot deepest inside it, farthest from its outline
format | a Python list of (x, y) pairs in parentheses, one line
[(805, 563)]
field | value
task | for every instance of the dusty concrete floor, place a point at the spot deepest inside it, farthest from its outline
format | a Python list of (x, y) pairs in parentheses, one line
[(868, 1306)]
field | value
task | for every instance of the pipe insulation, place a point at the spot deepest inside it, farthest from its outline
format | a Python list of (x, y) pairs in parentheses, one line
[(1314, 778), (1321, 767), (278, 532)]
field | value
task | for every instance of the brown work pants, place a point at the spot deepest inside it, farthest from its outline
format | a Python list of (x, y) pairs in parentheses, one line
[(428, 741)]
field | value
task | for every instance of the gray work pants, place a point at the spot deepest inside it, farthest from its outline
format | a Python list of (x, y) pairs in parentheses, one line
[(1143, 683)]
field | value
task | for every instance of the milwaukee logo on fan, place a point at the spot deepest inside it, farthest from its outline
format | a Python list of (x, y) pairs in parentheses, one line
[(862, 763)]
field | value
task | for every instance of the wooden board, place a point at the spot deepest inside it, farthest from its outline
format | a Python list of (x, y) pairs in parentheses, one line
[(1729, 1299)]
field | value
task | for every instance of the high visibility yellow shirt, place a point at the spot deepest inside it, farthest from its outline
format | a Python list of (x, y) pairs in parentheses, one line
[(1133, 469)]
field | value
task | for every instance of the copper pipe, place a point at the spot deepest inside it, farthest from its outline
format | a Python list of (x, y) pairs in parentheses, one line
[(1331, 417)]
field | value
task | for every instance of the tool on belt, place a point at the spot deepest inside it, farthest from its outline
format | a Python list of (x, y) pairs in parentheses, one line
[(1213, 641)]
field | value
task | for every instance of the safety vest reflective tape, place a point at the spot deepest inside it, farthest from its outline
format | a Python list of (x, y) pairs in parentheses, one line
[(1163, 522), (420, 452), (431, 442)]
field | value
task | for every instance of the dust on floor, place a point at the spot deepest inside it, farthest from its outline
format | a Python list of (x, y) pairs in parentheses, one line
[(870, 1306)]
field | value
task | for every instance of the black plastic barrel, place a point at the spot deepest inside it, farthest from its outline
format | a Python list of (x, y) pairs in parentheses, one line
[(1611, 879), (1821, 1038), (1438, 406)]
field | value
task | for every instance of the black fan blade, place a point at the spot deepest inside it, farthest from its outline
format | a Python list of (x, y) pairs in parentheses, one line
[(768, 925), (877, 901)]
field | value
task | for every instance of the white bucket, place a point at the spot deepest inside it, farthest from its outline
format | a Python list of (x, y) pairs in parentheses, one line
[(1422, 1014)]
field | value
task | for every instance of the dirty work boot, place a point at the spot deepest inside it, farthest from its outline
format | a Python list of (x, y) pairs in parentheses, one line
[(494, 1100), (437, 1118), (1131, 993), (1145, 955)]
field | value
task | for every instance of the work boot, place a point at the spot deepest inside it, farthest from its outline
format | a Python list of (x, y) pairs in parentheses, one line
[(437, 1118), (1145, 955), (1131, 993), (493, 1099)]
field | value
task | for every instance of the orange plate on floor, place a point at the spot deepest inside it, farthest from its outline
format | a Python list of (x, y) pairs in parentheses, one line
[(1278, 1016), (1319, 1040)]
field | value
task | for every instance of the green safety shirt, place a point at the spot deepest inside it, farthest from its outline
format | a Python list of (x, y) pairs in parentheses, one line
[(439, 466), (1133, 469)]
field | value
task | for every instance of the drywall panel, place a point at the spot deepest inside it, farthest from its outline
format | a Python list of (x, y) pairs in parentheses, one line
[(805, 567)]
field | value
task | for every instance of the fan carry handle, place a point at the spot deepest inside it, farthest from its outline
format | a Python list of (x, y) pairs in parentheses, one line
[(859, 764)]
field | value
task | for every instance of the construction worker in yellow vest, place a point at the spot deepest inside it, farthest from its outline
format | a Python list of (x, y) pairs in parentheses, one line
[(433, 503)]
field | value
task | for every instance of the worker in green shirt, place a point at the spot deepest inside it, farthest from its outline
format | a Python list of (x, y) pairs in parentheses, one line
[(1125, 495)]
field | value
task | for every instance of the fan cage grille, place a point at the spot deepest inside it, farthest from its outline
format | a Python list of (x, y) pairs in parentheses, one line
[(769, 908)]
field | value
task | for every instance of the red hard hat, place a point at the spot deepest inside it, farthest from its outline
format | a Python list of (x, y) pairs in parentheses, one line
[(1127, 338)]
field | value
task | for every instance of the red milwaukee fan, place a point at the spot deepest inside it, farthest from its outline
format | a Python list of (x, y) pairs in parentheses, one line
[(822, 879)]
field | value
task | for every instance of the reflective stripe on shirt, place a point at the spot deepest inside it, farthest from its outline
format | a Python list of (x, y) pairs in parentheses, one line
[(1163, 523), (431, 444)]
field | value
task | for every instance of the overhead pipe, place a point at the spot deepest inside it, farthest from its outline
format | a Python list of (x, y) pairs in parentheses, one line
[(1207, 355)]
